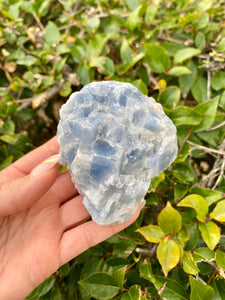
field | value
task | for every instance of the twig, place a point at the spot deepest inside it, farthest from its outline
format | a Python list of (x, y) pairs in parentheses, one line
[(38, 21), (206, 149), (216, 127)]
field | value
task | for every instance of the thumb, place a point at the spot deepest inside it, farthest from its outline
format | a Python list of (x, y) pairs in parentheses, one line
[(19, 194)]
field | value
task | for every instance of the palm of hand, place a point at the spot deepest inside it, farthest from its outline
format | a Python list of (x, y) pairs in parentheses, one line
[(42, 224)]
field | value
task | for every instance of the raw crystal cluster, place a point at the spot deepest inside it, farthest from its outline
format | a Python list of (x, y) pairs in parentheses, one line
[(114, 139)]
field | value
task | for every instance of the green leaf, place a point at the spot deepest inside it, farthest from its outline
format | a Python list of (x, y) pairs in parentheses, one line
[(10, 139), (125, 52), (196, 202), (218, 81), (146, 271), (132, 4), (133, 20), (218, 213), (186, 81), (222, 100), (134, 293), (156, 181), (189, 265), (183, 154), (220, 259), (184, 54), (178, 71), (141, 86), (203, 254), (151, 12), (168, 255), (209, 195), (6, 162), (27, 60), (183, 172), (169, 220), (92, 24), (208, 109), (210, 233), (52, 34), (119, 275), (200, 41), (183, 115), (65, 89), (183, 234), (199, 89), (194, 236), (170, 97), (42, 289), (126, 67), (200, 291), (105, 65), (170, 289), (157, 58), (219, 289), (100, 285), (8, 127), (152, 233)]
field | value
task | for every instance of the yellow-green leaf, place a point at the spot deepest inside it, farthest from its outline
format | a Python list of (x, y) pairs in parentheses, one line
[(196, 202), (168, 255), (169, 219), (189, 265), (210, 233), (219, 212), (152, 233)]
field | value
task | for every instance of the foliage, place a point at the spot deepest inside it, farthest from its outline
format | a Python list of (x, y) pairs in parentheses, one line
[(172, 50)]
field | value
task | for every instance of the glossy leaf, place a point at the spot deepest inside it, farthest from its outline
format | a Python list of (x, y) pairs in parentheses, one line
[(184, 115), (220, 259), (203, 254), (170, 97), (218, 213), (199, 89), (210, 196), (218, 81), (196, 202), (189, 264), (119, 275), (200, 291), (146, 271), (100, 285), (42, 289), (208, 109), (152, 233), (168, 254), (169, 220), (171, 289), (157, 58), (134, 293), (178, 71), (210, 233), (184, 54)]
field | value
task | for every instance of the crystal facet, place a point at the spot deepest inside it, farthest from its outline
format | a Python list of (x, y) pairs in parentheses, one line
[(114, 139)]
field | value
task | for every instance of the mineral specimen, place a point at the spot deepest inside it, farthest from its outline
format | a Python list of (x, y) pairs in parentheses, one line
[(114, 139)]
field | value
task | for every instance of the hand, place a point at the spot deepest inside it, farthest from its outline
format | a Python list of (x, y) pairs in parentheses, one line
[(42, 222)]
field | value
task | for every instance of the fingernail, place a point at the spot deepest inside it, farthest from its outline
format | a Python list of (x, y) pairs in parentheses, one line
[(143, 202), (46, 165)]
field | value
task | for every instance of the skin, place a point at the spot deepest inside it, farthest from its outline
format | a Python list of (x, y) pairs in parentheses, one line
[(43, 223)]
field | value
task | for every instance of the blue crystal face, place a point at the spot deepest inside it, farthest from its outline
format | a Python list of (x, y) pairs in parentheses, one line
[(114, 139)]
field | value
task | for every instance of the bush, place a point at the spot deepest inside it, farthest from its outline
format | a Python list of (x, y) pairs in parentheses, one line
[(172, 50)]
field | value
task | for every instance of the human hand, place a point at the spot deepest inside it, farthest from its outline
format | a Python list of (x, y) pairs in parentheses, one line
[(42, 222)]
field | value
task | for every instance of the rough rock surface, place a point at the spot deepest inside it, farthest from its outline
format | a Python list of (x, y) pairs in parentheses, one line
[(114, 140)]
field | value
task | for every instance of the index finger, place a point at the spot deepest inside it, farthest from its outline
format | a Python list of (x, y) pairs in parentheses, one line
[(24, 165)]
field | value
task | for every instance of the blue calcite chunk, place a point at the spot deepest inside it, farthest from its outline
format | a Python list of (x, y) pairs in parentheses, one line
[(114, 139)]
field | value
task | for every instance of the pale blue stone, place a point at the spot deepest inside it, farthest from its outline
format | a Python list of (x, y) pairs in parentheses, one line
[(113, 140)]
